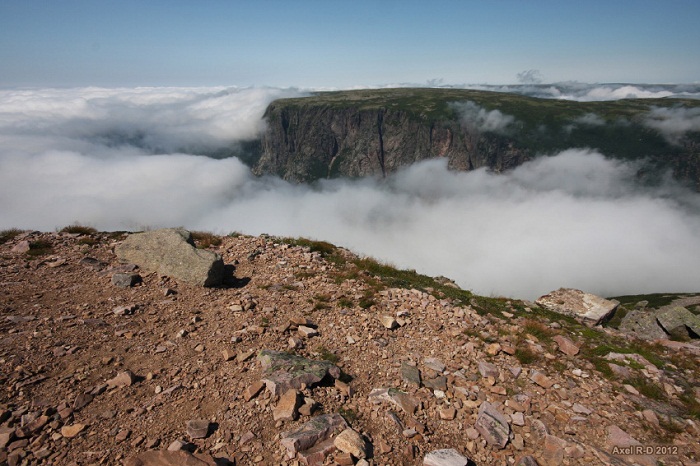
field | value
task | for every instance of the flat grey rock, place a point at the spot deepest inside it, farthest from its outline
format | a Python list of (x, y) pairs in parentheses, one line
[(171, 252)]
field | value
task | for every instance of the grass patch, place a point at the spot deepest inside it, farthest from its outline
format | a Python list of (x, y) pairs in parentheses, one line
[(77, 229), (525, 355), (9, 234), (656, 300), (538, 330), (204, 239), (616, 319), (646, 388), (39, 248), (346, 303), (327, 355)]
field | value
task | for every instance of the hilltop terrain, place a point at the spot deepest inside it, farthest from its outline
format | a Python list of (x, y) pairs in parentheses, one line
[(377, 131), (96, 370)]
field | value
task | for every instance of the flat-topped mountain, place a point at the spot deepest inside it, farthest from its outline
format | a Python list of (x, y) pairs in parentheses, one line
[(375, 132)]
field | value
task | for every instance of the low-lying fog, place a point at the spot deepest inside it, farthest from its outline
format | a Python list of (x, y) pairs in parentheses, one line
[(119, 159)]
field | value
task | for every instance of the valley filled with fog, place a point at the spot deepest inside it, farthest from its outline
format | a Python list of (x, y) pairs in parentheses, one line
[(131, 159)]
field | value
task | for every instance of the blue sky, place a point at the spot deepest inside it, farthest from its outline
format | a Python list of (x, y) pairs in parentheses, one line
[(344, 44)]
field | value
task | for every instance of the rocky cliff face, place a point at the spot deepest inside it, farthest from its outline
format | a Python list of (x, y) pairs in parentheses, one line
[(376, 132), (313, 141)]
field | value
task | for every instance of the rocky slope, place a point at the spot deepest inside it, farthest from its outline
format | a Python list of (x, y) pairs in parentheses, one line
[(96, 370), (376, 132)]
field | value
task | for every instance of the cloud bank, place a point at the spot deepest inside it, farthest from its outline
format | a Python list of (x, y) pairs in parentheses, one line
[(574, 219)]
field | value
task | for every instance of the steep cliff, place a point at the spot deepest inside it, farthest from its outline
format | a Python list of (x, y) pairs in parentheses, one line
[(375, 132)]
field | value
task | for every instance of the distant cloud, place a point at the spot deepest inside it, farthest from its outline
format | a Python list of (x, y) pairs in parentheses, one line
[(573, 219), (584, 92), (530, 77), (487, 121), (674, 123)]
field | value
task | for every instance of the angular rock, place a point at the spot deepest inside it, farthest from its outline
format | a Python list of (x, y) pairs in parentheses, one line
[(286, 409), (403, 400), (434, 364), (410, 374), (540, 379), (486, 369), (316, 430), (172, 252), (619, 438), (389, 322), (198, 428), (553, 451), (72, 430), (565, 345), (585, 307), (679, 322), (123, 379), (642, 325), (528, 460), (253, 390), (350, 441), (170, 458), (492, 425), (125, 280), (445, 457), (282, 371)]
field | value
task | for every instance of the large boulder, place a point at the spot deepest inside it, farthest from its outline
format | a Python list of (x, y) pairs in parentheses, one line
[(642, 324), (679, 322), (585, 307), (172, 252)]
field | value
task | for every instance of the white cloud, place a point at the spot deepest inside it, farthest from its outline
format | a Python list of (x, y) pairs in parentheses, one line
[(674, 122), (477, 117), (574, 219)]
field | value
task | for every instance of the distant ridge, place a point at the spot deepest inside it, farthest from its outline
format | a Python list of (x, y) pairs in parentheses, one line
[(376, 132)]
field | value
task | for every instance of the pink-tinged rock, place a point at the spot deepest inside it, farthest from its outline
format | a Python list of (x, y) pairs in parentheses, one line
[(492, 425), (21, 247), (350, 441), (286, 409), (72, 430), (486, 369), (585, 307), (403, 400), (446, 457), (619, 438), (540, 379), (315, 431), (170, 458), (566, 346), (527, 461), (123, 379), (553, 451)]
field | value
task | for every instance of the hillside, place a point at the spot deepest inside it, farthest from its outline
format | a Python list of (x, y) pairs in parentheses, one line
[(96, 371), (376, 132)]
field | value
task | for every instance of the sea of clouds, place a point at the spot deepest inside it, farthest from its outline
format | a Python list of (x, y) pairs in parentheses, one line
[(129, 159)]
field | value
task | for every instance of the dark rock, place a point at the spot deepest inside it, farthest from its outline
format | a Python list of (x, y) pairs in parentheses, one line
[(198, 428), (172, 252), (125, 280), (282, 371), (410, 374)]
